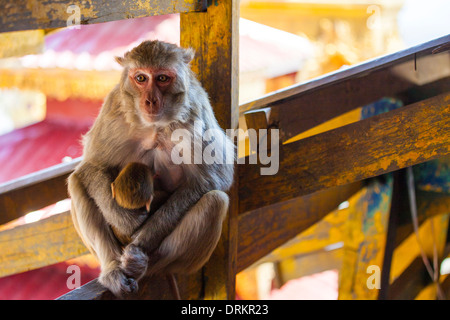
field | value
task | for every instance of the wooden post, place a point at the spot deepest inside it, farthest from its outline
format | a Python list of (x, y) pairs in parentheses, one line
[(214, 35), (365, 240), (398, 194)]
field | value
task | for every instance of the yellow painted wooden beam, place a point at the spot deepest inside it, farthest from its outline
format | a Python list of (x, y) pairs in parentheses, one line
[(433, 230), (263, 230), (416, 133), (215, 37), (76, 84), (328, 232), (20, 43), (36, 14), (365, 240), (39, 244), (342, 120)]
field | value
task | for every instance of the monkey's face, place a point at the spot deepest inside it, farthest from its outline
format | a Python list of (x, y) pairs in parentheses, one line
[(152, 86), (156, 76)]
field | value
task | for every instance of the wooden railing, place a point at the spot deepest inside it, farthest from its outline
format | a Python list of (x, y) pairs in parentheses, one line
[(316, 173), (25, 15)]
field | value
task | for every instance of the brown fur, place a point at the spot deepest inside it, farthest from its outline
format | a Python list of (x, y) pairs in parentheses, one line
[(133, 187)]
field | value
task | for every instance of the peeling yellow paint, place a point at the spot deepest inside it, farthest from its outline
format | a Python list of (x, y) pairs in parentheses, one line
[(39, 244), (31, 14)]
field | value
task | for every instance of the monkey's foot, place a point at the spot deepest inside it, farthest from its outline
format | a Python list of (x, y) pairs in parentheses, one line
[(134, 261), (118, 283)]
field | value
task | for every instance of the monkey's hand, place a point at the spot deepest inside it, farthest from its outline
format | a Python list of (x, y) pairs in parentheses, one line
[(134, 261), (117, 282)]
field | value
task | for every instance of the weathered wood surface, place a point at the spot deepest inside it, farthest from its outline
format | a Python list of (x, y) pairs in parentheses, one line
[(365, 239), (408, 285), (409, 248), (429, 204), (380, 144), (158, 288), (34, 191), (92, 290), (306, 111), (360, 70), (215, 37), (324, 235), (38, 244), (36, 14), (265, 229), (304, 106), (398, 197), (433, 235), (257, 121), (434, 175)]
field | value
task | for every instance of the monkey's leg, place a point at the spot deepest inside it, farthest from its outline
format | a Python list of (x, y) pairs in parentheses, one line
[(192, 242), (98, 238), (150, 235)]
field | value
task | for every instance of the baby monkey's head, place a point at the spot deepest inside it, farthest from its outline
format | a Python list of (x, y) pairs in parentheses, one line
[(133, 188)]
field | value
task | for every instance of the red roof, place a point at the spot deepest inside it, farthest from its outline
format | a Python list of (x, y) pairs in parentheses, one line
[(93, 47), (47, 283), (318, 286), (114, 35), (38, 146)]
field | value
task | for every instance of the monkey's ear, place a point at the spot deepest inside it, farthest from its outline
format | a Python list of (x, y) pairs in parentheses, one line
[(188, 55), (120, 60), (148, 203), (113, 190)]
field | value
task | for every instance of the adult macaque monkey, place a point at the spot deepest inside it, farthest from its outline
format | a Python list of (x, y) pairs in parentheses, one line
[(157, 94)]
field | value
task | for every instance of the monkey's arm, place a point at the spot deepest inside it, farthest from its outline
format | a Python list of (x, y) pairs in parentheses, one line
[(97, 180), (97, 236)]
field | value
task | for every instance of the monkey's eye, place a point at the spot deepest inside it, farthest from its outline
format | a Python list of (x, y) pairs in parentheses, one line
[(140, 78), (163, 78)]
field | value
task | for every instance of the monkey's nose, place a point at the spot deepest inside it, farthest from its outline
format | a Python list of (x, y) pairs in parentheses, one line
[(150, 101)]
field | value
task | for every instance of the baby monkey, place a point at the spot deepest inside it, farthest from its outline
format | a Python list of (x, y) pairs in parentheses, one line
[(134, 188)]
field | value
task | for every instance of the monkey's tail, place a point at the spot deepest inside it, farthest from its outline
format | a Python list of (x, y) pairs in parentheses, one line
[(173, 285)]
